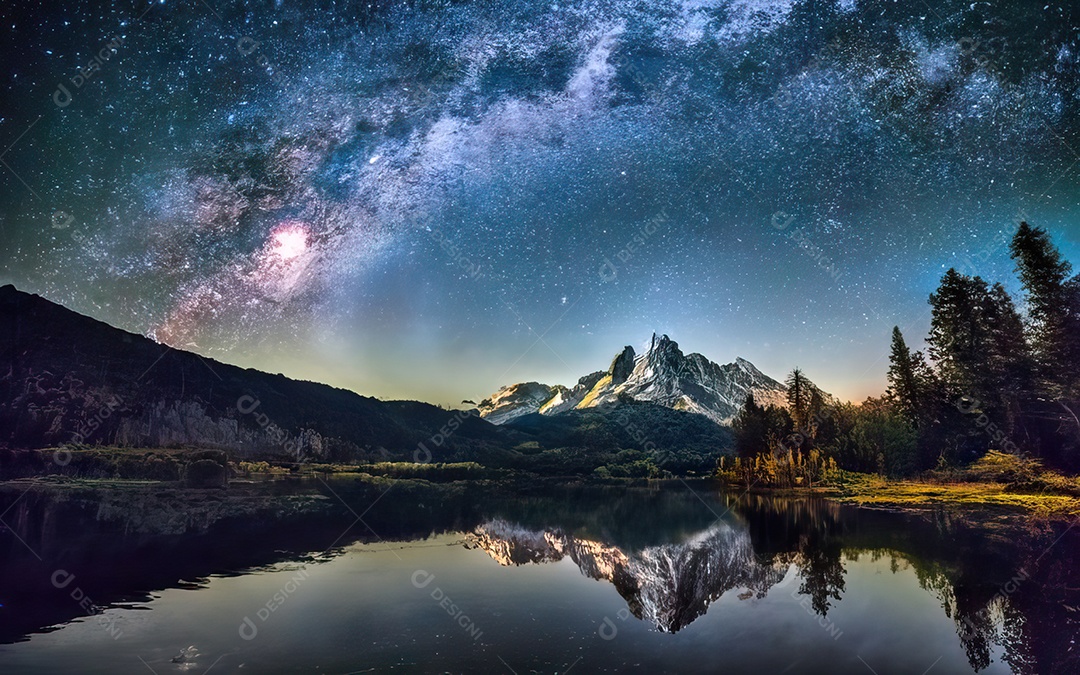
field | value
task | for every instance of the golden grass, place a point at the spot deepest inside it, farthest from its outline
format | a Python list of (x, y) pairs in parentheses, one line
[(870, 490)]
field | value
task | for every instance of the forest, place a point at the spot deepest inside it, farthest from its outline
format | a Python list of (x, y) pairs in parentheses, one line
[(1000, 377)]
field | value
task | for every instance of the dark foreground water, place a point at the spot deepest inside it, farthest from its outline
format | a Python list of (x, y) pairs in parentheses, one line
[(674, 580)]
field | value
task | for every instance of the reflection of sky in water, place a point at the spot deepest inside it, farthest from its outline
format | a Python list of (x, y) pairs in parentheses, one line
[(362, 611)]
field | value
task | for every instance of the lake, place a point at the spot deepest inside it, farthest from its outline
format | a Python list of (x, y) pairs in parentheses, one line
[(682, 578)]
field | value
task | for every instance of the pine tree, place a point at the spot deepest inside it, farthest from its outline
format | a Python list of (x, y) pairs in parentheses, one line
[(964, 337), (983, 361), (750, 429), (1010, 368), (799, 394), (905, 389), (818, 410), (779, 428), (961, 333), (1052, 305)]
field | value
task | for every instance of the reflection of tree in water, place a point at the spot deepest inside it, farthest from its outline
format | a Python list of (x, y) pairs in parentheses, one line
[(806, 533), (1042, 621), (664, 553), (1019, 600), (976, 621), (822, 573), (968, 608), (1013, 593), (1018, 653)]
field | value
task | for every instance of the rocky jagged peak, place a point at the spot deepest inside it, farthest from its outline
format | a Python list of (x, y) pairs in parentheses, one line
[(664, 358), (662, 344), (662, 375), (747, 367), (591, 379), (516, 400), (622, 365), (743, 363)]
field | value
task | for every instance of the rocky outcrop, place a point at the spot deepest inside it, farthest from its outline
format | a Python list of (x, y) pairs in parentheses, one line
[(622, 366), (187, 423), (662, 375), (568, 399), (514, 401)]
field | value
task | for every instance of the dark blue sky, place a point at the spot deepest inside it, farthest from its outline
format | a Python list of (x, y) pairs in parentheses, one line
[(435, 199)]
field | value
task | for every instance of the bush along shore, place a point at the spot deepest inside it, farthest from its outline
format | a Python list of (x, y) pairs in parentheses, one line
[(998, 484)]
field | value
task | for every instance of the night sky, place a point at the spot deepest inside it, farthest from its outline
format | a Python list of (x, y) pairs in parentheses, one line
[(430, 200)]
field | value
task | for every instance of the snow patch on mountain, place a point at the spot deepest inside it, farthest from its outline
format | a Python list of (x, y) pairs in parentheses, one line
[(662, 375)]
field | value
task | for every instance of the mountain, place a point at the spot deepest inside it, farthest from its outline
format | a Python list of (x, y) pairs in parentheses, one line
[(525, 398), (514, 401), (662, 375), (66, 378), (675, 440)]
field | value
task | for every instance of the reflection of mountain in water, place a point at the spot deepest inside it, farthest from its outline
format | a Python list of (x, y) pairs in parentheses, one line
[(1012, 592), (670, 585)]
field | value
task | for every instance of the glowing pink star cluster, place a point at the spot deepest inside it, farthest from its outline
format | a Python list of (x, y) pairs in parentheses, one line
[(289, 240)]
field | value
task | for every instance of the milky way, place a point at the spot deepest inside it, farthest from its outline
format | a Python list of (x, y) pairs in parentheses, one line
[(430, 200)]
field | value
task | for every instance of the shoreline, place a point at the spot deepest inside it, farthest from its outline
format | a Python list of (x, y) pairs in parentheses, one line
[(975, 500), (173, 507)]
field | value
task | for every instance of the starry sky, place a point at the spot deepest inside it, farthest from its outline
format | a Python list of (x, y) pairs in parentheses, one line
[(430, 200)]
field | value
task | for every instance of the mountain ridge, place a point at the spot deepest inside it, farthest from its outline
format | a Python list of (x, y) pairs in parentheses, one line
[(67, 379), (662, 375)]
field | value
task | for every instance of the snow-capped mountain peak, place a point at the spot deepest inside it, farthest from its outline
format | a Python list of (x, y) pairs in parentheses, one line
[(662, 374)]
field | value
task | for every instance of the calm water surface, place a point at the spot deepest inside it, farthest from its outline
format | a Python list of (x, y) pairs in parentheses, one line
[(673, 580)]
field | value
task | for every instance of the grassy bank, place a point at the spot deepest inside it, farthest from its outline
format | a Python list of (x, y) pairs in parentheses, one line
[(875, 491), (998, 484), (194, 467)]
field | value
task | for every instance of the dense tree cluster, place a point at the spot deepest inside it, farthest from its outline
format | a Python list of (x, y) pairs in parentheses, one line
[(996, 374)]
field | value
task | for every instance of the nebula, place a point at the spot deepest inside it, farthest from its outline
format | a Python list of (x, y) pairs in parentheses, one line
[(257, 181)]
